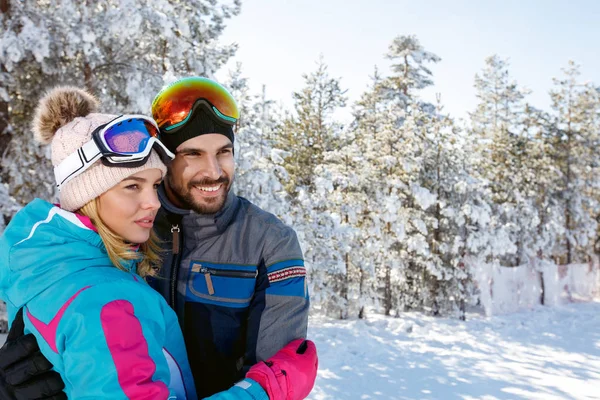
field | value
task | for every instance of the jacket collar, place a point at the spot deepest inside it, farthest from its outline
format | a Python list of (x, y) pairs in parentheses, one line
[(203, 225)]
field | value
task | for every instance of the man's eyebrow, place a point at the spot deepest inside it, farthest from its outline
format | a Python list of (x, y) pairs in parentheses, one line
[(189, 150), (194, 150)]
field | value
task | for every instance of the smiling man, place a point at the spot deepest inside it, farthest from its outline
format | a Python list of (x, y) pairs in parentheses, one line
[(234, 273)]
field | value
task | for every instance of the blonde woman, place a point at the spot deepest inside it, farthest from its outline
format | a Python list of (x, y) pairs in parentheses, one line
[(75, 272)]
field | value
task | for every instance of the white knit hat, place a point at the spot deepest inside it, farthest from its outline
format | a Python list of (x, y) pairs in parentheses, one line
[(65, 118)]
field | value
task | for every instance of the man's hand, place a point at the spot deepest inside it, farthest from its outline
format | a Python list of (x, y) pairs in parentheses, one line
[(25, 374), (290, 374)]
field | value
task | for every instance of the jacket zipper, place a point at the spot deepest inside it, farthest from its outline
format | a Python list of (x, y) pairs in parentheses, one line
[(176, 231), (208, 272)]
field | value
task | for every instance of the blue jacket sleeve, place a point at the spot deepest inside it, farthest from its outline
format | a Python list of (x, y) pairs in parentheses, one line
[(111, 344), (243, 390), (279, 309)]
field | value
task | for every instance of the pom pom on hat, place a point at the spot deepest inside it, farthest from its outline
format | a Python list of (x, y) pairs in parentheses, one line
[(58, 107)]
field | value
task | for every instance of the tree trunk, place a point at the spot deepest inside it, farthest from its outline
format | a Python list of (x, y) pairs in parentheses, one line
[(568, 184), (4, 118), (361, 312), (4, 139), (568, 224), (543, 290), (387, 298), (344, 290), (4, 6), (88, 76)]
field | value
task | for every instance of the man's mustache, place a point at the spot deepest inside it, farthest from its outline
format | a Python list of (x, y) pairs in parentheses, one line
[(209, 182)]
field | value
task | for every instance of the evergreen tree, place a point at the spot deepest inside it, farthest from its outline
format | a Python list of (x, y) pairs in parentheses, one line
[(259, 169), (444, 169), (496, 123), (311, 132), (539, 180), (572, 132), (405, 144), (410, 73), (381, 225), (307, 137), (343, 184)]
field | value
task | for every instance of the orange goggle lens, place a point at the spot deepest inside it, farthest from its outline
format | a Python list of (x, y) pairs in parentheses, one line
[(173, 106)]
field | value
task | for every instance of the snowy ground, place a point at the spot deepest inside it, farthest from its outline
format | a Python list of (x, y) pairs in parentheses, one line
[(548, 353)]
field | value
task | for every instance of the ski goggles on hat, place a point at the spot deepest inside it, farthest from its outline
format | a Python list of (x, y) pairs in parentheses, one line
[(126, 141), (175, 104)]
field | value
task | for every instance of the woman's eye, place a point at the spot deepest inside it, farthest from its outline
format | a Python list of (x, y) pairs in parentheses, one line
[(132, 187), (156, 186)]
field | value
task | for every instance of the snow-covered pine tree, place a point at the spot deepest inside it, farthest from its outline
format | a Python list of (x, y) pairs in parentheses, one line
[(444, 168), (306, 137), (410, 73), (539, 181), (343, 182), (588, 102), (382, 228), (496, 123), (259, 171), (311, 131), (358, 158), (406, 148), (572, 129)]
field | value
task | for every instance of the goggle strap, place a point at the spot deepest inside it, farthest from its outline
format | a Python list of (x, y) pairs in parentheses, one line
[(76, 163), (222, 118)]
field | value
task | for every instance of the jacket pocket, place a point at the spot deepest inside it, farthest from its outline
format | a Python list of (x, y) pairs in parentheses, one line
[(221, 284)]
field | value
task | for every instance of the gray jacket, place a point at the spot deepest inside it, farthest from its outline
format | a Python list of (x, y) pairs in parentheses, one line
[(238, 284)]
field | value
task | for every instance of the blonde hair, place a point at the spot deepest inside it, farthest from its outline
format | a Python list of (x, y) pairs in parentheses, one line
[(147, 257)]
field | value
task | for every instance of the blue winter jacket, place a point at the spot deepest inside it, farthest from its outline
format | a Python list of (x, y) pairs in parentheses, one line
[(105, 330)]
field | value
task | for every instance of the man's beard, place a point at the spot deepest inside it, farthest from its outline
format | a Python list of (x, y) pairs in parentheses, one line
[(209, 205)]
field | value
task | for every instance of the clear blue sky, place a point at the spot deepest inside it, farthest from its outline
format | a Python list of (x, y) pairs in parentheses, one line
[(281, 39)]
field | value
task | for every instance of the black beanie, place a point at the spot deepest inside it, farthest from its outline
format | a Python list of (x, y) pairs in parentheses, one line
[(201, 123)]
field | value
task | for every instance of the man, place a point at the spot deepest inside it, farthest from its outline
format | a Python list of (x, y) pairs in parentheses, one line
[(233, 272)]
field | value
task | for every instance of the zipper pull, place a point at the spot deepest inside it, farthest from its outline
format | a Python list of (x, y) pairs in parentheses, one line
[(198, 268), (175, 231), (208, 279)]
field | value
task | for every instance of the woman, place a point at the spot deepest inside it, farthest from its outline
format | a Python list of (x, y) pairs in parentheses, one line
[(75, 272)]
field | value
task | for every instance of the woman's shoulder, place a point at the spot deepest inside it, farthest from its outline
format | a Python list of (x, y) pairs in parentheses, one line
[(80, 314), (88, 290)]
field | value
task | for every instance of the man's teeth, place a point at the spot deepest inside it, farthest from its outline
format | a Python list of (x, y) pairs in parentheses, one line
[(209, 188)]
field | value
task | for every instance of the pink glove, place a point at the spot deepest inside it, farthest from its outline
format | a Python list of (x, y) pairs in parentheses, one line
[(290, 374)]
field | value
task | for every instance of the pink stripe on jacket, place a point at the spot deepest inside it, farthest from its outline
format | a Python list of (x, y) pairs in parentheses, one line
[(134, 365)]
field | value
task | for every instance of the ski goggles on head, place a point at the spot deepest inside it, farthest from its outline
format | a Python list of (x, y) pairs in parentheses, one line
[(126, 141), (175, 104)]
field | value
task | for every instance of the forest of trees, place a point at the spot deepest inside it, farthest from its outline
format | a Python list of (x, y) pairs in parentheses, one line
[(388, 207)]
